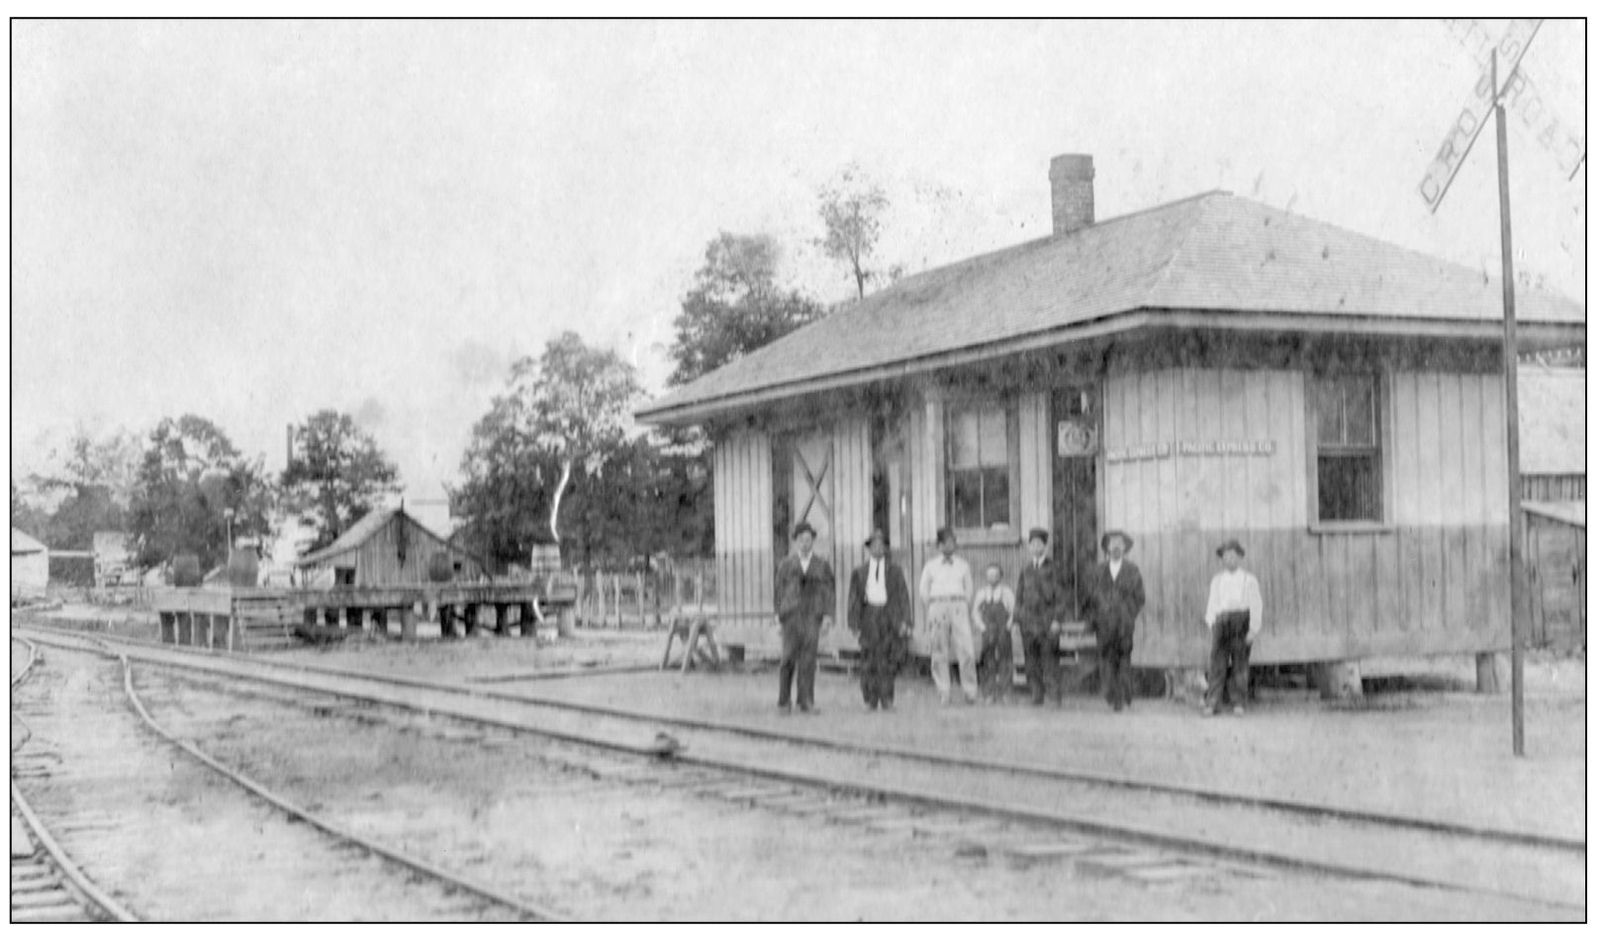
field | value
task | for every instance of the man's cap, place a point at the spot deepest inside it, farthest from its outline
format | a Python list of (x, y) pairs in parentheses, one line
[(1038, 533), (875, 535), (803, 527), (1230, 545), (1103, 543), (944, 533)]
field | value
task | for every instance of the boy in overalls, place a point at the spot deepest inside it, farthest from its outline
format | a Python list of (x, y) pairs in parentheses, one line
[(994, 619)]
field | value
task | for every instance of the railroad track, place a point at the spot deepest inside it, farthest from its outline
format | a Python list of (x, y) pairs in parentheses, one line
[(46, 884), (467, 898), (1186, 822)]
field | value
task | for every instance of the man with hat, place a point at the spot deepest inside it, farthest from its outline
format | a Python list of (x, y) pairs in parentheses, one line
[(805, 591), (1114, 597), (1233, 617), (878, 612), (946, 590), (1037, 608)]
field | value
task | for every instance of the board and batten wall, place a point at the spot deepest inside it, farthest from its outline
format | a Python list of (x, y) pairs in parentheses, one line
[(744, 543), (1431, 579)]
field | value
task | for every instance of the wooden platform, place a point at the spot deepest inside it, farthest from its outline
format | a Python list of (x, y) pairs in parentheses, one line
[(256, 619)]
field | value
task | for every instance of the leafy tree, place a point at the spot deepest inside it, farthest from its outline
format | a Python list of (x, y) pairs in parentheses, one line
[(339, 476), (735, 306), (851, 205), (561, 419), (91, 482), (189, 483)]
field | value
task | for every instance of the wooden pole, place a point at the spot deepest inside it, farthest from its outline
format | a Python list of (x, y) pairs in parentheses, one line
[(1518, 578)]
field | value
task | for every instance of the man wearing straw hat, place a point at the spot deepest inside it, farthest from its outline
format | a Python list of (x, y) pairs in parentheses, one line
[(878, 613), (1114, 597), (1233, 618), (805, 591)]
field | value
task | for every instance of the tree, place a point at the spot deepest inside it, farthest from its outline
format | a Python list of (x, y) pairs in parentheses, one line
[(91, 482), (563, 414), (339, 476), (735, 306), (851, 204), (189, 483)]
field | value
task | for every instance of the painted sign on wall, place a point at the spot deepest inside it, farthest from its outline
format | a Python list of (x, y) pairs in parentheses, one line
[(1077, 439), (1159, 451)]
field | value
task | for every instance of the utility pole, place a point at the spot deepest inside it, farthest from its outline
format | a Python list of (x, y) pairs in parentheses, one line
[(1518, 579)]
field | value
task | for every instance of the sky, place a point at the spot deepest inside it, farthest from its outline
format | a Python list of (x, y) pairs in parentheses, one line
[(255, 221)]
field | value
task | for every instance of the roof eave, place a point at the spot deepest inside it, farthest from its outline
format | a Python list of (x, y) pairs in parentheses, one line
[(1533, 334)]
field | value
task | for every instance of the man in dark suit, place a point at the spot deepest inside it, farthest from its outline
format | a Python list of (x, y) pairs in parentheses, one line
[(1114, 597), (878, 612), (805, 592), (1037, 610)]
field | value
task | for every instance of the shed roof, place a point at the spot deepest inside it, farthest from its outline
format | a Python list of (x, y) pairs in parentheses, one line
[(23, 543), (1215, 252), (367, 526), (1573, 513), (1554, 420)]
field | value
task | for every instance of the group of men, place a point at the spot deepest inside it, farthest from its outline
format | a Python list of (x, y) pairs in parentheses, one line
[(880, 613)]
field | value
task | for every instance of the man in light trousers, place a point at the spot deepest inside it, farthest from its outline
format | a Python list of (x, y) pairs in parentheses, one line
[(946, 590)]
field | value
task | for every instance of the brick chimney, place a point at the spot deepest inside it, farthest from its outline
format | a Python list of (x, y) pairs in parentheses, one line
[(1070, 177)]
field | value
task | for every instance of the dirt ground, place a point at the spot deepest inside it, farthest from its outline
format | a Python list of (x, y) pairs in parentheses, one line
[(1421, 742)]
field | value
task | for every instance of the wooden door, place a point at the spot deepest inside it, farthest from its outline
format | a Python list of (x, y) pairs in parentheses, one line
[(1077, 441)]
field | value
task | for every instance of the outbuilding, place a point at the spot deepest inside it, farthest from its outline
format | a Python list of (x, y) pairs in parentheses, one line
[(1208, 368), (1554, 422), (388, 547), (30, 564)]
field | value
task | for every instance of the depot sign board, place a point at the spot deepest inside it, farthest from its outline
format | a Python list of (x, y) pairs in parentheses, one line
[(1473, 114), (1523, 99)]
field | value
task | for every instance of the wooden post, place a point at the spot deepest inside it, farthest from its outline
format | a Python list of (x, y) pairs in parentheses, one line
[(1518, 580), (674, 608), (169, 623), (448, 624), (409, 623), (640, 597), (526, 619), (699, 588), (618, 602)]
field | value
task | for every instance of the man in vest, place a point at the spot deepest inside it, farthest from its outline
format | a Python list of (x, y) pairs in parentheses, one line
[(878, 613), (805, 591)]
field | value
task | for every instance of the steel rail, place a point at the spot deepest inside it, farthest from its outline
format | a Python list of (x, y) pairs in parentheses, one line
[(1208, 794), (1017, 813), (256, 789), (101, 900)]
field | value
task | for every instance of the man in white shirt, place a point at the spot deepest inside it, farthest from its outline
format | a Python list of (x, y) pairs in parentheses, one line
[(946, 590), (1233, 615)]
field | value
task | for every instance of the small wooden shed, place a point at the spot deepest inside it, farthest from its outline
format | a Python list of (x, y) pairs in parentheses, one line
[(388, 547), (1557, 572), (30, 564), (1204, 369)]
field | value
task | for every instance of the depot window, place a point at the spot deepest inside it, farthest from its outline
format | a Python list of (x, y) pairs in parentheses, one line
[(1348, 468), (980, 482)]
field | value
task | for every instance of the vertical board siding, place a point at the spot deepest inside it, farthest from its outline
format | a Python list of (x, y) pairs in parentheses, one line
[(1039, 438), (852, 469), (743, 509)]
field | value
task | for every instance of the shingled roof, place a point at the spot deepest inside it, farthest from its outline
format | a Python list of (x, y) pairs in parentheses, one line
[(1214, 252)]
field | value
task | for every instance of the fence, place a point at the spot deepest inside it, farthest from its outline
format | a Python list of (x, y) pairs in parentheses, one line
[(644, 598)]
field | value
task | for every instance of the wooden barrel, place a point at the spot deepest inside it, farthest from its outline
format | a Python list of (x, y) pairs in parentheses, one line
[(186, 570), (440, 567), (242, 568)]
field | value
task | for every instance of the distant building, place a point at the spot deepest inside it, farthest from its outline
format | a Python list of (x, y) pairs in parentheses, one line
[(387, 547), (1204, 369), (1554, 426), (111, 556), (30, 564), (1557, 565)]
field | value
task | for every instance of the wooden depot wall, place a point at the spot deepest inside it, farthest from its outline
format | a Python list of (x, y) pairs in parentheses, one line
[(1431, 577)]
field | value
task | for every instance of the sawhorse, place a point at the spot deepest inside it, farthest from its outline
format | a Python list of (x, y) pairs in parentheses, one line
[(697, 633)]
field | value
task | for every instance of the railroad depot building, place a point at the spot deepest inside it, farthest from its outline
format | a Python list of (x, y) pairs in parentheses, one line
[(1205, 369)]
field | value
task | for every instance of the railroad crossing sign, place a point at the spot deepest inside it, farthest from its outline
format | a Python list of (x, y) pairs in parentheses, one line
[(1520, 95)]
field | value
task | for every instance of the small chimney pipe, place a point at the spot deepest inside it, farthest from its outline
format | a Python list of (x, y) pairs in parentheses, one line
[(1070, 178)]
